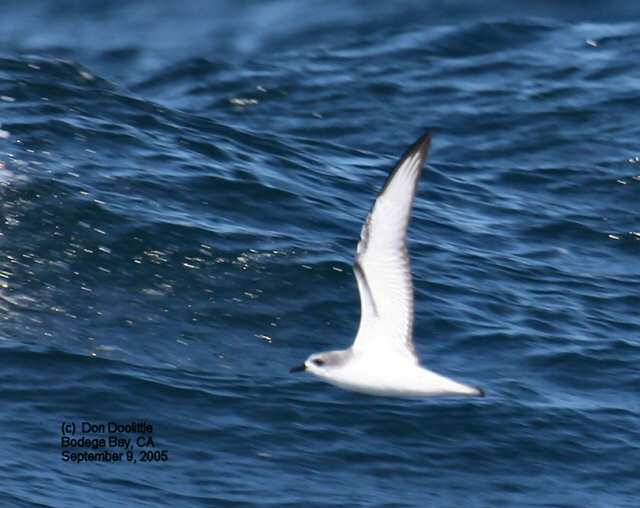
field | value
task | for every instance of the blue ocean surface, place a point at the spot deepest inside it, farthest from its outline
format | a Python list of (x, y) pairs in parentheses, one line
[(182, 186)]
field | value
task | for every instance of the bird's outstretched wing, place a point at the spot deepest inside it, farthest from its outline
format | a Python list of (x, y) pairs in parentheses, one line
[(382, 266)]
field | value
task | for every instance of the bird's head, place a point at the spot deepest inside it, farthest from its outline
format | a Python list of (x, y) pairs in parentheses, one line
[(321, 364)]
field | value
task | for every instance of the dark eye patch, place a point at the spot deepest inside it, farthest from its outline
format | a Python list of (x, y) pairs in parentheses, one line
[(318, 362)]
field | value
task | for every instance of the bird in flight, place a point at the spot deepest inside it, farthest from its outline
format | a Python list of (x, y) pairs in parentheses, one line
[(382, 359)]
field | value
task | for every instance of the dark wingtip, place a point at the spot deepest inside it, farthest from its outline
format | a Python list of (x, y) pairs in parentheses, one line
[(481, 392), (423, 144), (424, 140)]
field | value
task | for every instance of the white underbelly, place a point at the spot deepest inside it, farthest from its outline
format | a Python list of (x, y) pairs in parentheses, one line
[(398, 380)]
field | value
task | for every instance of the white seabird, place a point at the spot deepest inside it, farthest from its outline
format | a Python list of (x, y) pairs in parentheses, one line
[(382, 359)]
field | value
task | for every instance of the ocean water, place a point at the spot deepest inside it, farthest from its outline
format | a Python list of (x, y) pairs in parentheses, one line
[(182, 185)]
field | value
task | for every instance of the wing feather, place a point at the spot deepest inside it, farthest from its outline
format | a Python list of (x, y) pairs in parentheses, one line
[(382, 265)]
